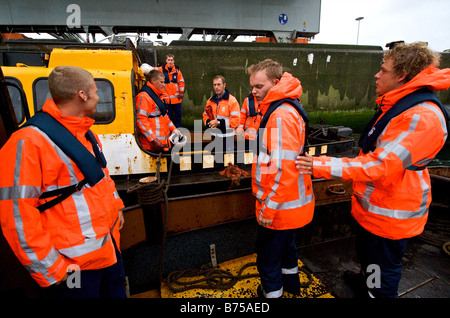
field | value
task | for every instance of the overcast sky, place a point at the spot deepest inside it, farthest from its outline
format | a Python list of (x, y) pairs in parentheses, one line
[(385, 21)]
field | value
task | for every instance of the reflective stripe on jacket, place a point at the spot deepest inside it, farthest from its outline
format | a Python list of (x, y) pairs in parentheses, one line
[(150, 122), (226, 109), (75, 231), (173, 88), (250, 124), (282, 194), (391, 197)]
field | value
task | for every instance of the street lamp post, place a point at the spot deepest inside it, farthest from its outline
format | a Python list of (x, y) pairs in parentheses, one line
[(357, 36)]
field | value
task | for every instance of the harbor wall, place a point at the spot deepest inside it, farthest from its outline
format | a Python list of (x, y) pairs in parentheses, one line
[(334, 77)]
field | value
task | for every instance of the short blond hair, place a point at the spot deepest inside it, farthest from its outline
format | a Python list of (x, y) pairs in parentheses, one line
[(272, 68), (65, 81), (411, 59), (154, 74)]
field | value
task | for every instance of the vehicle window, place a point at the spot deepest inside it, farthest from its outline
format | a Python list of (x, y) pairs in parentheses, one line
[(16, 99), (105, 106)]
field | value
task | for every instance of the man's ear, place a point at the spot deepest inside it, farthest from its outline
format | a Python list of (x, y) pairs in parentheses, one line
[(82, 95), (401, 78)]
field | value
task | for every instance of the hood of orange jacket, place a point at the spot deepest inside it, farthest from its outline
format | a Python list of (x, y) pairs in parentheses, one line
[(78, 126), (432, 78), (287, 87)]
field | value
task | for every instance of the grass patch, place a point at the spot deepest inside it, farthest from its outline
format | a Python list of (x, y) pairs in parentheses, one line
[(355, 119)]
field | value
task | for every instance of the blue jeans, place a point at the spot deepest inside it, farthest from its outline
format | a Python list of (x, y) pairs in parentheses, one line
[(174, 111), (387, 254), (277, 261)]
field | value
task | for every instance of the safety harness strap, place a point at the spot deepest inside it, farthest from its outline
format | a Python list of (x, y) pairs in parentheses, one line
[(90, 165), (273, 106), (251, 106), (161, 105), (372, 131), (166, 75)]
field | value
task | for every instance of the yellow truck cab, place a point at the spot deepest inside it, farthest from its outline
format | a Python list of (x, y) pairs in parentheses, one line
[(118, 79)]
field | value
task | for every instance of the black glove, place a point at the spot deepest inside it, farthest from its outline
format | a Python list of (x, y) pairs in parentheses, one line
[(157, 145)]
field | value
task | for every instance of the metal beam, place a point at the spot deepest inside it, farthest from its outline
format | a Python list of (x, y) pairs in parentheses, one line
[(231, 18)]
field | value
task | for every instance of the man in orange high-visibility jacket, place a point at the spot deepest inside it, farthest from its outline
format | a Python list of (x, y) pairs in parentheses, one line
[(284, 199), (222, 112), (153, 122), (174, 89), (250, 118), (391, 183), (81, 232)]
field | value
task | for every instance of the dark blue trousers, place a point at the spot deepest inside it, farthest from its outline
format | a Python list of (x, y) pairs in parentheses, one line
[(387, 255), (107, 282), (174, 111), (277, 261)]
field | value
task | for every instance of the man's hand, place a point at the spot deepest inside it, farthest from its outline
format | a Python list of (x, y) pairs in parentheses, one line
[(239, 131), (305, 164), (264, 222), (214, 123), (63, 279), (121, 220), (158, 146)]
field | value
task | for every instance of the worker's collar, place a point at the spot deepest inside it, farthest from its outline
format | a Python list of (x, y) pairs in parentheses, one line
[(216, 99)]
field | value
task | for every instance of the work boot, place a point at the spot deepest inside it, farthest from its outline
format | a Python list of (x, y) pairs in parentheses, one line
[(259, 292), (357, 283)]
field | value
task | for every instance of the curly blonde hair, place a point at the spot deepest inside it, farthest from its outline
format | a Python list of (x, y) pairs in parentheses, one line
[(411, 59)]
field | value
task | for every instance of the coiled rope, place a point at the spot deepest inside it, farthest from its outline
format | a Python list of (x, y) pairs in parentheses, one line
[(215, 278)]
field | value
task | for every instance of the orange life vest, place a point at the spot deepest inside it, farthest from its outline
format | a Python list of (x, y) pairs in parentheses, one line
[(226, 108), (174, 83), (152, 125), (390, 199), (76, 231), (250, 117), (282, 194)]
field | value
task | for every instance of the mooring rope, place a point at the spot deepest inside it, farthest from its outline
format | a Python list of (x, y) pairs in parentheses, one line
[(215, 278), (153, 193)]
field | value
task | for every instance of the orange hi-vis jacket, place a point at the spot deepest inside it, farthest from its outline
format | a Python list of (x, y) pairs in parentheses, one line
[(227, 109), (389, 199), (152, 125), (248, 123), (174, 84), (282, 194), (77, 230)]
